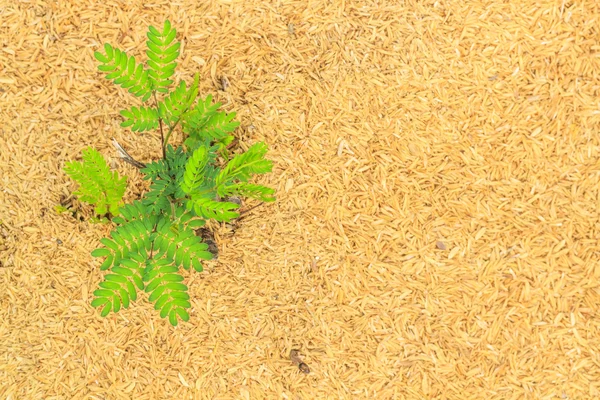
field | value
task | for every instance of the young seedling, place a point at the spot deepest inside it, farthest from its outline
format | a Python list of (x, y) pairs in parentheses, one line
[(155, 237)]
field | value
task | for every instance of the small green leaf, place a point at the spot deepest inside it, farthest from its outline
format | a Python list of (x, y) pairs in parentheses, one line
[(154, 31), (183, 314), (100, 253), (173, 318), (101, 57), (109, 50), (132, 291), (179, 256), (122, 271), (99, 301), (176, 286), (106, 68), (107, 263), (165, 310), (116, 303), (166, 27), (109, 285), (109, 243), (156, 294), (172, 278), (138, 282), (102, 293), (106, 310), (153, 285), (153, 56), (182, 303), (129, 263), (197, 265), (161, 301), (124, 297), (180, 295), (115, 278)]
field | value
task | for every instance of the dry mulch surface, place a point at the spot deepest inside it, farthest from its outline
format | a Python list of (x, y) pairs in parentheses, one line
[(436, 233)]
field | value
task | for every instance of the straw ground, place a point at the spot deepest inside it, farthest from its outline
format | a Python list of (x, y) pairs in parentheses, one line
[(436, 233)]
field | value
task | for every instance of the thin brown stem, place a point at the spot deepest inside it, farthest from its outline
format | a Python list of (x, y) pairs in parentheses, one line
[(248, 210), (160, 124), (152, 245)]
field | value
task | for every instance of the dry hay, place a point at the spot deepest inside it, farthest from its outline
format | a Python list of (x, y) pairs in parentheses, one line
[(436, 233)]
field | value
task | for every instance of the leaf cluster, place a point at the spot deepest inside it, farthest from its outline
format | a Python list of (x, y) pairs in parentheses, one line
[(154, 237), (145, 253), (98, 185)]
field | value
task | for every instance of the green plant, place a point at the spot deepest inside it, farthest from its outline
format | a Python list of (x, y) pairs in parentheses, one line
[(97, 184), (155, 237)]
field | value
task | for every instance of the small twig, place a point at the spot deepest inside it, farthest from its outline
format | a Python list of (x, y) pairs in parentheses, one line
[(160, 124), (232, 144), (248, 210), (126, 157)]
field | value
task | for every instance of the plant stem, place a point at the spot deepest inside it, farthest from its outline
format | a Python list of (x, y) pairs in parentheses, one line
[(166, 139), (152, 245), (160, 123)]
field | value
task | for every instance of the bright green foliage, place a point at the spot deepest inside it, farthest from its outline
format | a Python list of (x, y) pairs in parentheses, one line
[(157, 199), (154, 238), (234, 177), (162, 52), (169, 295), (194, 170), (208, 208), (125, 71), (179, 243), (206, 123), (140, 119), (218, 126), (178, 102), (165, 175), (205, 185), (244, 189), (200, 115), (145, 252), (98, 185)]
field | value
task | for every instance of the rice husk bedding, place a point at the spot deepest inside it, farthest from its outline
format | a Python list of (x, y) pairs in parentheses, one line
[(436, 231)]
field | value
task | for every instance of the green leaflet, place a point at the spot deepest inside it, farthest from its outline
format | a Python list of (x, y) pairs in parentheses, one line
[(162, 52), (218, 126), (200, 115), (205, 123), (194, 170), (242, 167), (123, 70), (97, 184), (166, 290), (140, 119), (157, 199), (180, 244), (212, 209), (156, 170), (178, 102), (132, 212), (251, 190), (165, 175)]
